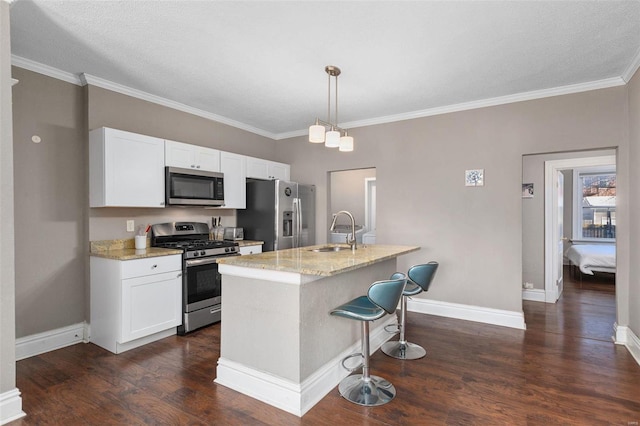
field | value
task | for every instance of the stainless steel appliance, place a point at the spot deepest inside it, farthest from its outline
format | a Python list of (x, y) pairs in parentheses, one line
[(201, 282), (187, 187), (280, 213), (233, 234)]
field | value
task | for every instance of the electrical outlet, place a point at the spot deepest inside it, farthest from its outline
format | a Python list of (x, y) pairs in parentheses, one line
[(130, 226), (528, 285)]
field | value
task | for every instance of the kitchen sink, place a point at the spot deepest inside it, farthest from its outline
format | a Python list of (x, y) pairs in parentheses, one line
[(325, 249)]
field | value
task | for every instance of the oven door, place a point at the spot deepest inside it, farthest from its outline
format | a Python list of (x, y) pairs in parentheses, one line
[(202, 284)]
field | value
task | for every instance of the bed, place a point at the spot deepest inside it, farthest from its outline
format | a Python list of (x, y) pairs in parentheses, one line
[(592, 258)]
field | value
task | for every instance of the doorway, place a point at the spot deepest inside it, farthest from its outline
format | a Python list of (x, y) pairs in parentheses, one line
[(354, 191), (545, 271)]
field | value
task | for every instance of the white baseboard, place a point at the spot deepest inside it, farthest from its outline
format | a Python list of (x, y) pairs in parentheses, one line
[(468, 312), (40, 343), (533, 294), (10, 406), (625, 336), (289, 396)]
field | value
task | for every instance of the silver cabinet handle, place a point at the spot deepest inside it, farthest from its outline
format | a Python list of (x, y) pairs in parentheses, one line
[(193, 166), (154, 266), (179, 274)]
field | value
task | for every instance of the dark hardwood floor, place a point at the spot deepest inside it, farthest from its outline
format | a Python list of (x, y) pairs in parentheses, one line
[(564, 369)]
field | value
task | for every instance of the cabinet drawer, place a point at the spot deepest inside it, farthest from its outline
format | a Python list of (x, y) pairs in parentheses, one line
[(250, 249), (151, 266)]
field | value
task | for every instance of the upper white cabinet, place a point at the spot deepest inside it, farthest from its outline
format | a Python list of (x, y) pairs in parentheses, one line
[(258, 168), (187, 156), (125, 169), (235, 172)]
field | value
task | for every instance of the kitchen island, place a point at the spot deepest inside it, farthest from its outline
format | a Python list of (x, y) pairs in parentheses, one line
[(278, 342)]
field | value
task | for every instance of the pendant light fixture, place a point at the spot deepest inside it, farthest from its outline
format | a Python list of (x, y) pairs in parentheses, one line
[(328, 131)]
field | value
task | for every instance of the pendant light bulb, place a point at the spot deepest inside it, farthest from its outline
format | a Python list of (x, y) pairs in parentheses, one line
[(346, 143), (332, 138), (316, 133)]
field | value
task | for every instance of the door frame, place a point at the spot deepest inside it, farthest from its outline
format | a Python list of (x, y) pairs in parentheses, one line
[(368, 211), (551, 170)]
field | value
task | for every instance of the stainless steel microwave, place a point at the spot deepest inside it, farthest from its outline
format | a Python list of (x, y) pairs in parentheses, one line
[(186, 187)]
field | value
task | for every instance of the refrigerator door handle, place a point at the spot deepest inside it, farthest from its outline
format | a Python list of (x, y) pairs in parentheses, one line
[(296, 222), (299, 228)]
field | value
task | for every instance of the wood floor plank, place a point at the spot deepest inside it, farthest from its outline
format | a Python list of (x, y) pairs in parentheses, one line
[(564, 369)]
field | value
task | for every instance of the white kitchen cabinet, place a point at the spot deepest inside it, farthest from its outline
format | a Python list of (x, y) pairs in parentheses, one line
[(235, 172), (250, 249), (258, 168), (125, 169), (134, 302), (187, 156)]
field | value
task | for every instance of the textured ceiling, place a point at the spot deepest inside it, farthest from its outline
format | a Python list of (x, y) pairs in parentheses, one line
[(261, 64)]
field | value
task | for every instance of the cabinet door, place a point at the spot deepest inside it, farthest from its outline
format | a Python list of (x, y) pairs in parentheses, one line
[(133, 170), (257, 168), (279, 171), (207, 159), (150, 304), (178, 154), (234, 168)]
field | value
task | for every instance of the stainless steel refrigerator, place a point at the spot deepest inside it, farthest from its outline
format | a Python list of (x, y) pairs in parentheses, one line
[(280, 213)]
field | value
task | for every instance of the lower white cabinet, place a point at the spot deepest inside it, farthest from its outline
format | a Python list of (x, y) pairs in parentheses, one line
[(134, 302), (250, 249)]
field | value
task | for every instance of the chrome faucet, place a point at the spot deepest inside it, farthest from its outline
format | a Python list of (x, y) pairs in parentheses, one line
[(352, 241)]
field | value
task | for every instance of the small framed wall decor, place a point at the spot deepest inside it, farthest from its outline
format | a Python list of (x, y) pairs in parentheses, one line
[(474, 177), (527, 190)]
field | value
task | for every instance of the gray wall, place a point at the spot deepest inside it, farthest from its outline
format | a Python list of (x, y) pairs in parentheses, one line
[(474, 232), (633, 297), (7, 270), (533, 211), (50, 178), (348, 193)]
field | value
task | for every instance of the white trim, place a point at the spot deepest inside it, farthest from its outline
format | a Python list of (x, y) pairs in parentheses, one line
[(483, 103), (34, 66), (534, 295), (368, 184), (625, 336), (47, 341), (289, 396), (10, 406), (632, 68), (129, 91), (481, 314), (83, 79), (551, 168)]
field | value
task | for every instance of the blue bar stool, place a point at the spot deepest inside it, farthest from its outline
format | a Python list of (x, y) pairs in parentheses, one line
[(382, 298), (420, 278)]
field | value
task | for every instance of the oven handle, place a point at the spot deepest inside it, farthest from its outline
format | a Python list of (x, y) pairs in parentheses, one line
[(204, 260)]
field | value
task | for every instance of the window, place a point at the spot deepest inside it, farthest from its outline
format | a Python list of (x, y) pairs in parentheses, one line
[(594, 216)]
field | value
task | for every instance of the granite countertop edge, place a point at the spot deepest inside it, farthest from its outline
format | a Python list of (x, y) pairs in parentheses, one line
[(306, 262)]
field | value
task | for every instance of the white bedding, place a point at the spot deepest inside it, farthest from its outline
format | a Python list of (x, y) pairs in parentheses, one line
[(593, 257)]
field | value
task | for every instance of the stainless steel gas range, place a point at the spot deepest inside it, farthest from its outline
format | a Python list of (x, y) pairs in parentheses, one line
[(202, 284)]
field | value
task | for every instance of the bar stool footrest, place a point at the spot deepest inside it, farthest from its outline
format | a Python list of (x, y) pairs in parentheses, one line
[(370, 392), (353, 355), (403, 350), (392, 328)]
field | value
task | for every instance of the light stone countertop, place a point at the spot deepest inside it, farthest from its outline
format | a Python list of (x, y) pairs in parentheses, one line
[(304, 261), (244, 243), (124, 250)]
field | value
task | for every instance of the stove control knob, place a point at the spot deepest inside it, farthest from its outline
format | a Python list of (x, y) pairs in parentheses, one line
[(195, 253), (203, 252), (226, 249)]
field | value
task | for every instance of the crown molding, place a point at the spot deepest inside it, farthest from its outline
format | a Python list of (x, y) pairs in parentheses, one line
[(632, 68), (34, 66), (501, 100), (105, 84), (84, 79)]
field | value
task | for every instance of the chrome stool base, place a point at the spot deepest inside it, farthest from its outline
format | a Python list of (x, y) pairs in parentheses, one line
[(406, 350), (373, 392)]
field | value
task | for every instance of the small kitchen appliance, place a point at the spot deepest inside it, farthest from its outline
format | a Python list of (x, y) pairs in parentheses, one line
[(201, 282), (233, 234)]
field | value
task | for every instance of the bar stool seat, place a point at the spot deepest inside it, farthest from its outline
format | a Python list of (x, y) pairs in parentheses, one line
[(382, 298), (419, 280)]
